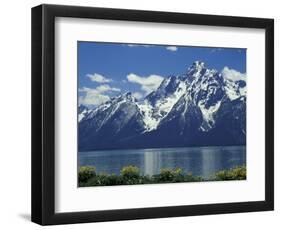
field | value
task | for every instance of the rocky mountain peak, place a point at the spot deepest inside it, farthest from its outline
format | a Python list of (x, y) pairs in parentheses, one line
[(200, 106)]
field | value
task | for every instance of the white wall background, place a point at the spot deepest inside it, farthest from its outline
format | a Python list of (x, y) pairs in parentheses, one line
[(15, 114)]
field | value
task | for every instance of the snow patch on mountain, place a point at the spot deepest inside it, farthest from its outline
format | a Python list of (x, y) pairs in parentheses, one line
[(156, 106), (208, 115), (82, 112), (82, 115), (235, 83), (146, 110)]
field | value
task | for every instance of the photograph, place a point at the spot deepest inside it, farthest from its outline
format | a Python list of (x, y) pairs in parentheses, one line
[(152, 113)]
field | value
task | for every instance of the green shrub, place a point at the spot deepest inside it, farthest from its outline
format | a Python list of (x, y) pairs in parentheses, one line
[(166, 175), (103, 179), (130, 175), (145, 180), (110, 179), (169, 175), (85, 173), (130, 172), (237, 173), (178, 175), (190, 178)]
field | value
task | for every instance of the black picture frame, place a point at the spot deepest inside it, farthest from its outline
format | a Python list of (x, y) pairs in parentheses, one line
[(43, 114)]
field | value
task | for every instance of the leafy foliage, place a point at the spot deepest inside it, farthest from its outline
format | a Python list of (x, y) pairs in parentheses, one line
[(130, 172), (131, 175), (169, 175), (237, 173), (85, 173)]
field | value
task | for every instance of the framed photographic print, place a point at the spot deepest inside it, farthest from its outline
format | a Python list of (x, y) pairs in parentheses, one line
[(142, 114)]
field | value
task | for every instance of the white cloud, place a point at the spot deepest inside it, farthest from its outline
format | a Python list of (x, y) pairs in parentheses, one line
[(138, 95), (98, 78), (216, 50), (139, 45), (84, 89), (148, 83), (104, 88), (172, 48), (96, 96), (232, 74), (92, 98)]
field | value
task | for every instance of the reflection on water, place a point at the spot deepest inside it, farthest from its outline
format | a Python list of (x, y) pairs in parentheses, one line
[(201, 161)]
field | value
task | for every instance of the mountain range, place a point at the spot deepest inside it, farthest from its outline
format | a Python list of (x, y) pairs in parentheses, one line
[(202, 107)]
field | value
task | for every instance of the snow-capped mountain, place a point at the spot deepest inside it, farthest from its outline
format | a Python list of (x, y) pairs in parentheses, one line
[(201, 107)]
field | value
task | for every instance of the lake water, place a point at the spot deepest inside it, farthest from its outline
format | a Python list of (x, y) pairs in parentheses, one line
[(201, 161)]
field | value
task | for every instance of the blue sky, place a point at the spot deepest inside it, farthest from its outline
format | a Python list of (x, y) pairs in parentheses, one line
[(108, 69)]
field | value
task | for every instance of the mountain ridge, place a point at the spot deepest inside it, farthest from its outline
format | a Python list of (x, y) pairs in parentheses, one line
[(200, 107)]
